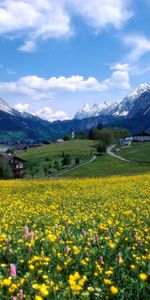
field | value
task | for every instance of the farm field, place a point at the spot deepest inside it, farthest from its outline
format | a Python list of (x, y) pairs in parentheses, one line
[(75, 239), (137, 152)]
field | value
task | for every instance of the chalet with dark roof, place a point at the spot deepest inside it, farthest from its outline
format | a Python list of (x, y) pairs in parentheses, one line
[(141, 137), (17, 166)]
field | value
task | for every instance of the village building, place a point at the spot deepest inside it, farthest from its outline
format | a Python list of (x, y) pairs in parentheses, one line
[(127, 141), (141, 137), (17, 166)]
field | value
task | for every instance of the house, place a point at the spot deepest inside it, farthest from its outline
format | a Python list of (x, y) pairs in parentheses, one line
[(141, 137), (127, 141), (25, 148), (47, 142), (17, 166)]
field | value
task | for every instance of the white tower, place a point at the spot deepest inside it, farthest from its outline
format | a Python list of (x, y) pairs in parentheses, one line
[(72, 134)]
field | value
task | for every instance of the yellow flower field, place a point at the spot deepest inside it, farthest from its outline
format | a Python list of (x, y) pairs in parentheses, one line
[(75, 239)]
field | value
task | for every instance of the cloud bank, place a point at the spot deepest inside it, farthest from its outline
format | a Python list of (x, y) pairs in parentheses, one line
[(35, 20), (38, 88)]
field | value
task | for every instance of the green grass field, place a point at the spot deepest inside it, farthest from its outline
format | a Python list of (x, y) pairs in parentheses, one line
[(137, 152), (81, 148), (49, 155), (106, 165)]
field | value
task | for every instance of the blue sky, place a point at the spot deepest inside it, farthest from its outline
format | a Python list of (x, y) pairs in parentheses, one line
[(56, 56)]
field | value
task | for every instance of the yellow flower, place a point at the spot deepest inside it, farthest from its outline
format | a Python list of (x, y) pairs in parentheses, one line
[(83, 262), (107, 281), (37, 297), (76, 250), (59, 268), (35, 286), (143, 276), (7, 281), (52, 238), (31, 267), (114, 290), (90, 289), (43, 290), (132, 267), (76, 282), (45, 277)]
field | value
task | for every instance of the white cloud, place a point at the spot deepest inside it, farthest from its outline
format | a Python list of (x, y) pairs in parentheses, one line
[(119, 79), (48, 114), (120, 67), (37, 88), (140, 45), (35, 19), (45, 113), (22, 107), (7, 70), (101, 13), (28, 46)]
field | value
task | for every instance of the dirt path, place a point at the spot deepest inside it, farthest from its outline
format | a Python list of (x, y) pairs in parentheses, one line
[(76, 167), (109, 151)]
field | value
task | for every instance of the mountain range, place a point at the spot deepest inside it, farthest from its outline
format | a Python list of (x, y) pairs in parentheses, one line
[(129, 107), (133, 112)]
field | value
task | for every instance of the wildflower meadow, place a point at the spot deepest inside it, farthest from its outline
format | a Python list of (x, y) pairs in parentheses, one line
[(75, 238)]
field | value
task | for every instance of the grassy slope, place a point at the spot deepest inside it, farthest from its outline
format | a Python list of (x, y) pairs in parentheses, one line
[(106, 166), (137, 152), (81, 148)]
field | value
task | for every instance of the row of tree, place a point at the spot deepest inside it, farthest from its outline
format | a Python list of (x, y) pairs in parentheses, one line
[(107, 136), (48, 166)]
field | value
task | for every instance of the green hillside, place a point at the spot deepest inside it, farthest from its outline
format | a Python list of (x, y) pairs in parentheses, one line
[(82, 148), (47, 160), (137, 152), (107, 166)]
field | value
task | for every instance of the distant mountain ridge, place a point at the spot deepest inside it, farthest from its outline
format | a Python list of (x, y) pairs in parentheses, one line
[(133, 112), (131, 105)]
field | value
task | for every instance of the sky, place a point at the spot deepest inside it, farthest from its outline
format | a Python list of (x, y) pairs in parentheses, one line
[(58, 55)]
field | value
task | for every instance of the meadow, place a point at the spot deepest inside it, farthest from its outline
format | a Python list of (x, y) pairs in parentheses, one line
[(137, 152), (107, 165), (51, 156), (75, 239), (75, 147)]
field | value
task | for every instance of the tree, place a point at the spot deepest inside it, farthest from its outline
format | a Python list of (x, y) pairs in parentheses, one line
[(46, 168), (66, 160), (94, 134), (101, 147), (120, 133), (56, 164), (77, 160), (66, 138), (106, 136), (81, 135), (33, 169), (5, 170), (100, 126)]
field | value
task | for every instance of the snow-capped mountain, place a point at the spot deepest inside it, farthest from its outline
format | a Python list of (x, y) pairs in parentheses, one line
[(133, 113), (131, 105), (95, 110), (4, 107)]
